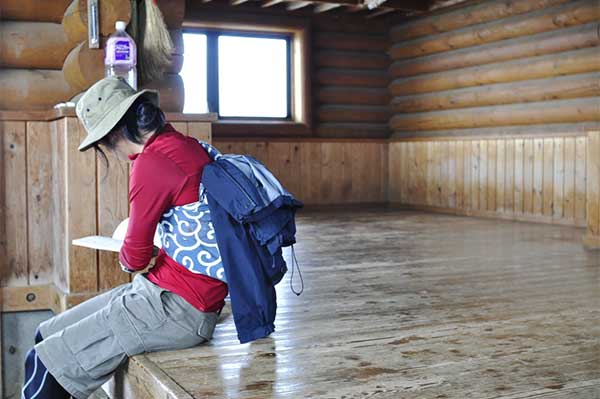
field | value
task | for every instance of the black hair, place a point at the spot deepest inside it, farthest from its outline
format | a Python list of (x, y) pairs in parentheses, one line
[(141, 118)]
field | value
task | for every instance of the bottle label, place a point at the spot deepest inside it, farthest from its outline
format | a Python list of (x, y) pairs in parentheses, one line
[(122, 50)]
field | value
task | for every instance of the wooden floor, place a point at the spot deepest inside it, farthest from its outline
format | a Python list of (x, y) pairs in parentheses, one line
[(411, 305)]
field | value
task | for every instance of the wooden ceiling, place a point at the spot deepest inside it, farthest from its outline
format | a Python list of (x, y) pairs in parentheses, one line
[(368, 8)]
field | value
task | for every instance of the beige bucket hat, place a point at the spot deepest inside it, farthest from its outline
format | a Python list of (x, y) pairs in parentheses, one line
[(104, 104)]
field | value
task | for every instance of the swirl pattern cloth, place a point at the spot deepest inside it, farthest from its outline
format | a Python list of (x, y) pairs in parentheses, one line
[(188, 237)]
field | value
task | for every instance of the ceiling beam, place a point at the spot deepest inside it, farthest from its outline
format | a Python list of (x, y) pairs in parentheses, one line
[(296, 5), (403, 5), (409, 5), (378, 12), (323, 7), (354, 8), (271, 3)]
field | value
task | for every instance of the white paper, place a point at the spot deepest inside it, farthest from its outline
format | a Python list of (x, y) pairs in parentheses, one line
[(99, 242), (121, 230), (113, 244)]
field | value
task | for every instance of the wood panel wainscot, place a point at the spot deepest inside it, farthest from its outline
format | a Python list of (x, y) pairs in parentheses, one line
[(592, 237), (535, 178), (52, 194), (322, 171)]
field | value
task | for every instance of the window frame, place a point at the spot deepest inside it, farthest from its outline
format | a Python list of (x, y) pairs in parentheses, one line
[(212, 69), (299, 101)]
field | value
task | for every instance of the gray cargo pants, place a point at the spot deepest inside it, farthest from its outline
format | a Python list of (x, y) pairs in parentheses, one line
[(84, 345)]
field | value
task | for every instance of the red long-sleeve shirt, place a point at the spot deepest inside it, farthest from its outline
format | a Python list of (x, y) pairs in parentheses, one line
[(167, 173)]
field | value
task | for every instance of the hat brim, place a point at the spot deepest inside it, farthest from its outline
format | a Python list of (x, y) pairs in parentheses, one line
[(112, 117)]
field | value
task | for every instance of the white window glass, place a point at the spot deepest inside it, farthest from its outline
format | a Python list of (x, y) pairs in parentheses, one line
[(252, 77), (193, 73)]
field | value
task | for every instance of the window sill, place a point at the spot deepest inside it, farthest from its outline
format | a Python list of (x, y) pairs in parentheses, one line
[(259, 128)]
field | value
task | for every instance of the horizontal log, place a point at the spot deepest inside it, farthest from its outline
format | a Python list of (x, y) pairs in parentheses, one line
[(33, 45), (541, 44), (576, 13), (567, 63), (257, 130), (75, 18), (350, 77), (559, 111), (171, 92), (351, 59), (353, 42), (353, 95), (556, 88), (347, 24), (33, 10), (476, 14), (28, 89), (84, 66), (173, 12), (352, 130), (353, 113)]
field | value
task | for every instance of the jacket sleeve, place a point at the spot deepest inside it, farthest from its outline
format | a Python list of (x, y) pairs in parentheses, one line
[(154, 182)]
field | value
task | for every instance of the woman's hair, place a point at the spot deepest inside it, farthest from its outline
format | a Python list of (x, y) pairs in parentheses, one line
[(141, 118)]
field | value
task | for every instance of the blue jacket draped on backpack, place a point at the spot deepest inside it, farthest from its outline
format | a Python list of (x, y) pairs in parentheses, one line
[(253, 217)]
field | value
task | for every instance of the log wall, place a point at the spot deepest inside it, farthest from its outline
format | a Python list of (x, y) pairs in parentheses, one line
[(45, 58), (33, 47), (350, 93), (491, 104), (43, 176)]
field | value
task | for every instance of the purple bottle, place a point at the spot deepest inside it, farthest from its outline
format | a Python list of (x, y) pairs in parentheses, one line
[(120, 56)]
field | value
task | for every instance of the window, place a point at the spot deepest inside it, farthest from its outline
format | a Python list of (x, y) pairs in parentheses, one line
[(238, 75), (193, 74)]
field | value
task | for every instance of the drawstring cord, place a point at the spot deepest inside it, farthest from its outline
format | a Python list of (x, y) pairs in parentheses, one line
[(295, 260)]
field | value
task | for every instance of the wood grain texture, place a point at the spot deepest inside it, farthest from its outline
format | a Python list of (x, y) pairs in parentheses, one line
[(16, 266), (81, 217), (528, 64), (51, 194), (39, 202), (446, 311), (532, 179), (350, 41), (33, 45), (59, 217), (320, 171), (75, 19), (569, 178), (565, 63), (477, 13), (570, 14), (84, 66), (350, 68), (567, 39), (112, 207), (29, 89), (353, 113), (34, 10), (593, 184), (352, 95), (556, 88), (558, 111), (580, 178)]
